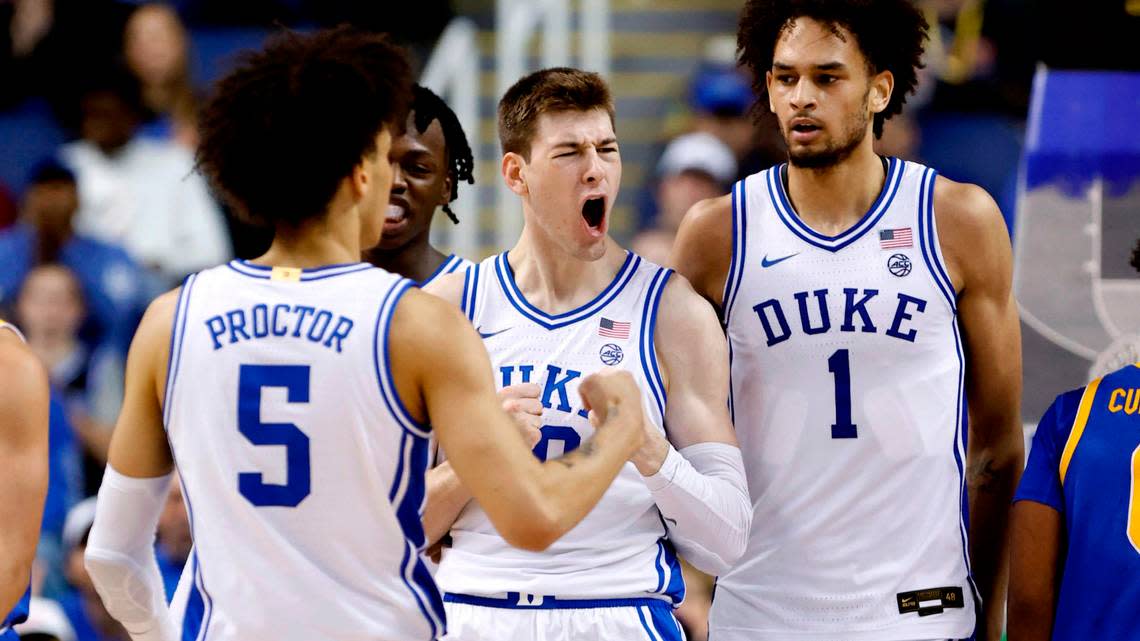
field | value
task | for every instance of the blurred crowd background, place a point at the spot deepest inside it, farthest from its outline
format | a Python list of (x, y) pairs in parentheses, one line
[(101, 208)]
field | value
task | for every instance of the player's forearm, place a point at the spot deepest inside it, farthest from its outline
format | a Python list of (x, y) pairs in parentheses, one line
[(446, 498), (992, 474), (120, 554), (703, 495)]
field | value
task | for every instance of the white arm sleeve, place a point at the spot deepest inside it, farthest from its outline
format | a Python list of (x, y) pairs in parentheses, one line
[(120, 554), (703, 495)]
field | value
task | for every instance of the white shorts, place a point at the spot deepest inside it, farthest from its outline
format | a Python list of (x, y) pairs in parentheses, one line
[(548, 619)]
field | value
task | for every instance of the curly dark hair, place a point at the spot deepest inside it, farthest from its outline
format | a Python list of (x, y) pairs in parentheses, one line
[(282, 129), (890, 33), (428, 107)]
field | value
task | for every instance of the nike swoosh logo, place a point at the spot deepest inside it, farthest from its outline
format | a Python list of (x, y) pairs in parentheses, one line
[(764, 262), (486, 335)]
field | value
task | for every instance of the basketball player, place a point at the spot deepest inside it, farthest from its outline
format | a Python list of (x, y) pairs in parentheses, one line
[(297, 391), (23, 472), (1075, 552), (565, 301), (865, 300), (428, 161)]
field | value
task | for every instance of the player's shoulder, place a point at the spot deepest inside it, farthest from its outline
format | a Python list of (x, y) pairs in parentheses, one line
[(424, 318), (965, 209), (710, 216), (448, 287)]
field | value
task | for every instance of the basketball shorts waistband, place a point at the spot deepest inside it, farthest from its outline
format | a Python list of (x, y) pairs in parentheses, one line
[(526, 601)]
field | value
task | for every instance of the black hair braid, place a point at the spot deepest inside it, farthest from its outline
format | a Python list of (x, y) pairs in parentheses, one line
[(426, 107)]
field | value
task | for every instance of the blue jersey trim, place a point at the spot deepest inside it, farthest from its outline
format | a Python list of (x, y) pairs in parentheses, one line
[(648, 330), (514, 295), (380, 348), (450, 265), (19, 614), (928, 241), (739, 258), (264, 272), (470, 291), (961, 430), (197, 580), (407, 496), (174, 358), (511, 602), (661, 625), (792, 221), (195, 606)]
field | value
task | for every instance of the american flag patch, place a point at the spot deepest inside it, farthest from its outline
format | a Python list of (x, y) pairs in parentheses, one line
[(613, 329), (892, 238)]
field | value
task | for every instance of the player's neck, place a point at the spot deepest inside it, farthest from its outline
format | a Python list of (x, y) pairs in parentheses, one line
[(328, 241), (832, 199), (557, 282), (416, 260)]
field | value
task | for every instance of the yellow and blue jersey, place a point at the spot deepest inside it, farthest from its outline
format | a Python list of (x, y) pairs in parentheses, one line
[(1085, 463)]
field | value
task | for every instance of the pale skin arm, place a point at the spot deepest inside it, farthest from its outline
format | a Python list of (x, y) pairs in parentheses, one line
[(694, 360), (23, 464), (446, 496), (139, 448), (978, 254), (703, 248), (531, 504), (1034, 570)]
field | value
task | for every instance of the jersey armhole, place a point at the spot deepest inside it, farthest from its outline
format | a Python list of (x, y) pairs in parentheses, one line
[(648, 351), (736, 260), (382, 361), (1078, 428), (177, 336), (470, 291), (928, 240)]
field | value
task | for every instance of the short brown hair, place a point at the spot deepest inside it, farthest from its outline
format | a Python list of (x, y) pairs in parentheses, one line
[(548, 91)]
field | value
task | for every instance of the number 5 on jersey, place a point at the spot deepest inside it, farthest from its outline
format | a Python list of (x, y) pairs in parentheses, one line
[(295, 380)]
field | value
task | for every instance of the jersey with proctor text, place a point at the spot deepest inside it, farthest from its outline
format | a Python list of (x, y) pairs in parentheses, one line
[(619, 550), (302, 470), (847, 396), (1085, 463)]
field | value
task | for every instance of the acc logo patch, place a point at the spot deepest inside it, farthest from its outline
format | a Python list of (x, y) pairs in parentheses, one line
[(899, 264), (611, 354)]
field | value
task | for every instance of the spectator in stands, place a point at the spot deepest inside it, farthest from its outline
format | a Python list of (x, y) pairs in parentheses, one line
[(156, 48), (722, 102), (82, 605), (694, 167), (50, 310), (46, 622), (115, 288), (141, 193)]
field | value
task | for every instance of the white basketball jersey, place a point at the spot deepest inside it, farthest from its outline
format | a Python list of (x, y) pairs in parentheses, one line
[(451, 264), (847, 373), (619, 550), (302, 470)]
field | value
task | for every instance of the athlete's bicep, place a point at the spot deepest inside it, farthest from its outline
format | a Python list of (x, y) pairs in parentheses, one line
[(138, 446), (702, 251), (695, 355), (444, 366)]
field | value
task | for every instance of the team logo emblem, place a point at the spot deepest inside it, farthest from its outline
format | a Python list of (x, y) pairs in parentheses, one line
[(899, 264), (611, 354)]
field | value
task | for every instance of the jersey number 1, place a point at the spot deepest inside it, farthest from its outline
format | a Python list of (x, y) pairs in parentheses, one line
[(295, 380), (839, 364)]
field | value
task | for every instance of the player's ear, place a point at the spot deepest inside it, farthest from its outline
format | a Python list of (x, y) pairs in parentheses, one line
[(445, 191), (882, 85), (768, 84), (513, 175), (361, 177)]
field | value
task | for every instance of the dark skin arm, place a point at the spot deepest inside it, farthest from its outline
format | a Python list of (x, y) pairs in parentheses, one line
[(977, 250), (1036, 532)]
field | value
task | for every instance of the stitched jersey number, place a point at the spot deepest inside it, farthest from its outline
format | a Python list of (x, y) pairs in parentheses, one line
[(839, 364), (556, 442), (251, 380), (1134, 502)]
